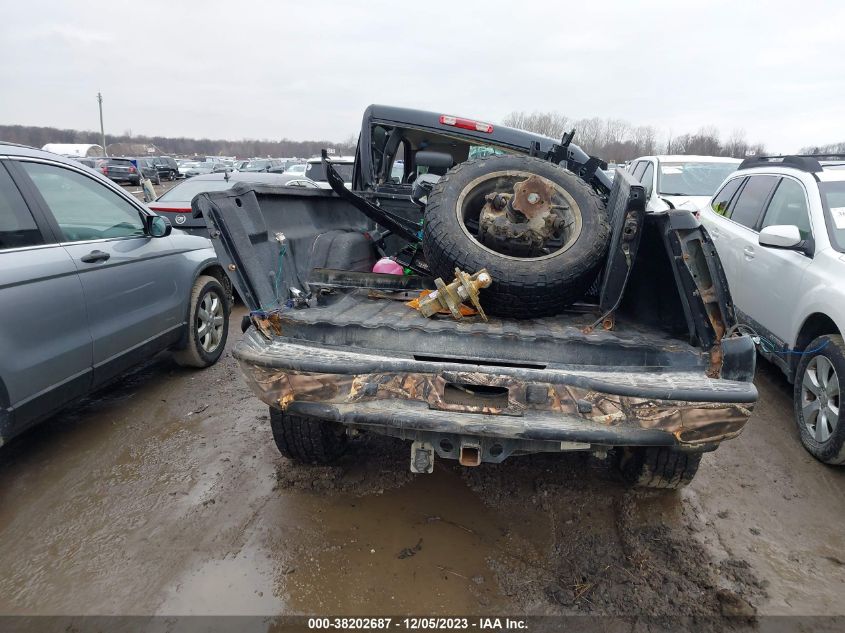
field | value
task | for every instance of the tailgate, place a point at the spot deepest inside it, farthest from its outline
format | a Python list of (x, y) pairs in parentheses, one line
[(267, 237)]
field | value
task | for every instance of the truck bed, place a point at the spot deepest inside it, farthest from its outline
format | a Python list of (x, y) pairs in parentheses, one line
[(354, 319), (664, 375)]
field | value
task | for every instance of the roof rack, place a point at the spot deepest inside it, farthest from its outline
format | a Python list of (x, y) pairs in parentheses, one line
[(804, 162)]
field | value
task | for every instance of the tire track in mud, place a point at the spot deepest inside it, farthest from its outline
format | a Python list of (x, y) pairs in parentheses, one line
[(594, 548), (613, 551)]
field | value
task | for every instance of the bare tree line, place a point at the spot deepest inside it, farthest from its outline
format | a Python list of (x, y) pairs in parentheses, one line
[(832, 148), (182, 146), (616, 140)]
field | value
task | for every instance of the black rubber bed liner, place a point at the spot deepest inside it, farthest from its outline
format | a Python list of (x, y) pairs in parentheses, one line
[(354, 319)]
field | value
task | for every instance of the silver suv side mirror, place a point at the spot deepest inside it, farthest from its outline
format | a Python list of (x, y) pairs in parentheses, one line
[(780, 236)]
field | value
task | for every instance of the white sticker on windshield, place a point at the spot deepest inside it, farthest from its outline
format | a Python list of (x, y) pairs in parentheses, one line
[(838, 214), (671, 170)]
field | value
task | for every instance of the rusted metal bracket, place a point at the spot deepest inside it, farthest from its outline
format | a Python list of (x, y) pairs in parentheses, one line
[(450, 296)]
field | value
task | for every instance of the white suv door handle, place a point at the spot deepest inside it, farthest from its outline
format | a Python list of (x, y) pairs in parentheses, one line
[(749, 252)]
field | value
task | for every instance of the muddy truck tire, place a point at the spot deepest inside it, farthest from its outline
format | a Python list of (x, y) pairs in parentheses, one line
[(307, 440), (539, 230), (819, 381), (658, 467)]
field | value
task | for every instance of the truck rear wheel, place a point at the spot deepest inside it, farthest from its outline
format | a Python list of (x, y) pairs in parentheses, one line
[(307, 440), (658, 467), (539, 230)]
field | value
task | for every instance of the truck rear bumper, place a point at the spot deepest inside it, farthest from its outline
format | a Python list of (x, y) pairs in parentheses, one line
[(401, 396), (404, 418)]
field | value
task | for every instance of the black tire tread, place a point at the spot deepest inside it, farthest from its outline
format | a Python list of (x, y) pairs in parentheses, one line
[(306, 440), (660, 467), (532, 293)]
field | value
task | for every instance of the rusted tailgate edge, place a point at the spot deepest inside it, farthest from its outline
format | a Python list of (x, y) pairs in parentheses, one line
[(285, 355)]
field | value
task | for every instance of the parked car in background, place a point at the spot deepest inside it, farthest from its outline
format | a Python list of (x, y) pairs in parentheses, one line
[(343, 164), (85, 160), (779, 226), (269, 165), (176, 202), (127, 287), (185, 165), (199, 169), (148, 169), (681, 182), (166, 166), (120, 170), (397, 171), (297, 169)]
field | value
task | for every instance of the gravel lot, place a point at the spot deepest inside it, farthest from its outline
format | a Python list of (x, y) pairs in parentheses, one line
[(165, 495)]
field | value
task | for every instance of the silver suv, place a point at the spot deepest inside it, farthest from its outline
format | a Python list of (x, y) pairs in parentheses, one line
[(779, 226), (92, 283)]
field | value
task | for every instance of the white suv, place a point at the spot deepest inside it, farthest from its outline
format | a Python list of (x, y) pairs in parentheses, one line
[(680, 181), (779, 226), (344, 165)]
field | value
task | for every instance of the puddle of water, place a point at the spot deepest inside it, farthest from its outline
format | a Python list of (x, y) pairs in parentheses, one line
[(241, 584), (421, 548)]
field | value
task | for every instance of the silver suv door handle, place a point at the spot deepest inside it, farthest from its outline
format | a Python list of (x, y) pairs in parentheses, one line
[(95, 256), (749, 252)]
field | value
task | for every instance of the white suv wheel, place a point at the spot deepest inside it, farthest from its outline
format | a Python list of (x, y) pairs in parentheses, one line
[(820, 398), (818, 384)]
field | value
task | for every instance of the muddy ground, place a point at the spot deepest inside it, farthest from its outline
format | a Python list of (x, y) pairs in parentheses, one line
[(165, 495)]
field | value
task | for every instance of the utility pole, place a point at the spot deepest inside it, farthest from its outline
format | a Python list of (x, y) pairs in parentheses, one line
[(102, 130)]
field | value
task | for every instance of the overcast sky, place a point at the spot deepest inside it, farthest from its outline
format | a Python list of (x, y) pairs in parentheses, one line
[(307, 69)]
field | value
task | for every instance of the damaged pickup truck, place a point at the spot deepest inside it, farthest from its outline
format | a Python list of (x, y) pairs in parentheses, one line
[(576, 321)]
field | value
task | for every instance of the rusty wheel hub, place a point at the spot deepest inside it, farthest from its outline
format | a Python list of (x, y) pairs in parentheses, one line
[(527, 221)]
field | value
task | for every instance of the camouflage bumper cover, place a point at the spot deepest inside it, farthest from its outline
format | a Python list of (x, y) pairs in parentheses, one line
[(610, 408)]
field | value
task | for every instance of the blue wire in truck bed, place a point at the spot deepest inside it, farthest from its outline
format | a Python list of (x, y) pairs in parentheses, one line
[(769, 347), (264, 311)]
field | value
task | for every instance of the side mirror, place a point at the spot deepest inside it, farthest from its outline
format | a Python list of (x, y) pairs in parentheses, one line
[(781, 236), (422, 187), (158, 226)]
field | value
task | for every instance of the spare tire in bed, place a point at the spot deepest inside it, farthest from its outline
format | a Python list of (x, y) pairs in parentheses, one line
[(539, 230)]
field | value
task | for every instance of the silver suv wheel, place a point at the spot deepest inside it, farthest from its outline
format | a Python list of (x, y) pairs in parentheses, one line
[(207, 324), (210, 321), (818, 383), (820, 398)]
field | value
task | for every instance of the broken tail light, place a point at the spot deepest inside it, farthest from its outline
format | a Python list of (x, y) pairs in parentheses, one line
[(466, 124)]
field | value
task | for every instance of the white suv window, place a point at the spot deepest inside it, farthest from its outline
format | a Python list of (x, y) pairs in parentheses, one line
[(722, 200), (789, 206), (647, 178), (638, 169), (748, 207)]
